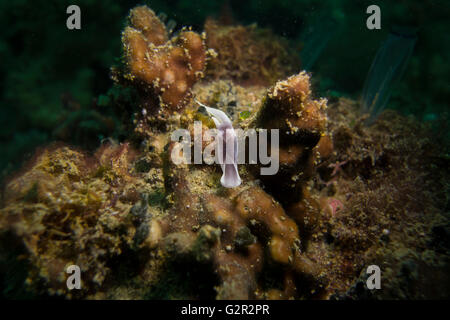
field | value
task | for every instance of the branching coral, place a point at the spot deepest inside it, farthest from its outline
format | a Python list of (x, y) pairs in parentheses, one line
[(232, 232), (168, 67)]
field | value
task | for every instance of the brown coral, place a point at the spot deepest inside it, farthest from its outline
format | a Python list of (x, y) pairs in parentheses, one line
[(168, 67), (69, 208), (248, 55), (301, 120)]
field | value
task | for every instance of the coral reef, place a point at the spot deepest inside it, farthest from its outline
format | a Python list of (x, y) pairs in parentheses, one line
[(301, 121), (167, 67), (74, 209), (389, 192), (248, 55), (346, 196), (238, 232), (41, 67)]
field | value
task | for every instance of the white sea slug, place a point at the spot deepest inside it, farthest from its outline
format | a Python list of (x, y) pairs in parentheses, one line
[(228, 154)]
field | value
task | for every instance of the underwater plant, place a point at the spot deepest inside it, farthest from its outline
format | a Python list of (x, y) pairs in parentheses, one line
[(386, 70)]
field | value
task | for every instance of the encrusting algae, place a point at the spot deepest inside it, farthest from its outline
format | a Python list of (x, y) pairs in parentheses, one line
[(346, 196)]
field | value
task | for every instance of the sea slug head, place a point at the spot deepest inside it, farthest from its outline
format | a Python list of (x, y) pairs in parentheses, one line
[(228, 152)]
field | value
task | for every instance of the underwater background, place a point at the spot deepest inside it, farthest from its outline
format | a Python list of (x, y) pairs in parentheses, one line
[(70, 88)]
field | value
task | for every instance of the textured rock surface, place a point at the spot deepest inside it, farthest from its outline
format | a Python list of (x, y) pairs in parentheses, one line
[(346, 196)]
